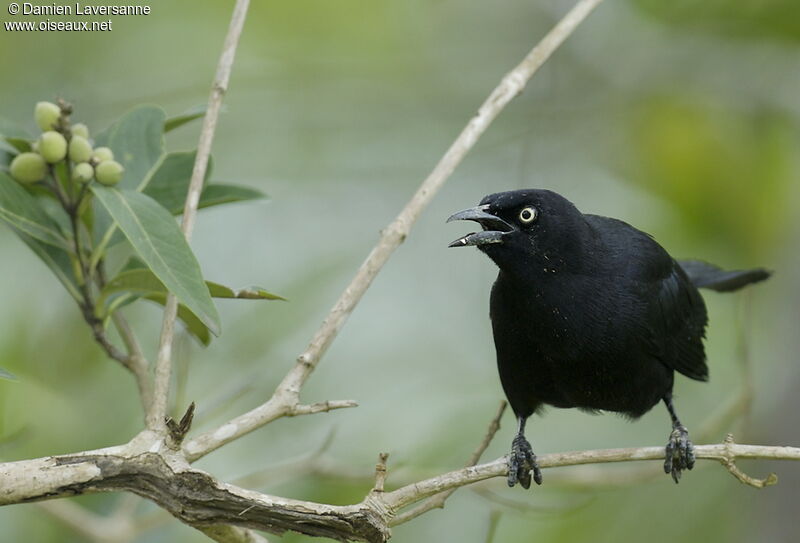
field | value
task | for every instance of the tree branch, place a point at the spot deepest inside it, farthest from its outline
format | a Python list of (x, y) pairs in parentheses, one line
[(199, 500), (288, 392), (158, 411), (725, 453)]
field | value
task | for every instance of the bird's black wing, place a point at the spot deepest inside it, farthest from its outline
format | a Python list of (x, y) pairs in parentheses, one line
[(672, 314), (681, 312)]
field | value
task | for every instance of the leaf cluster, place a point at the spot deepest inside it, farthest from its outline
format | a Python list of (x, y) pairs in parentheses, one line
[(111, 246)]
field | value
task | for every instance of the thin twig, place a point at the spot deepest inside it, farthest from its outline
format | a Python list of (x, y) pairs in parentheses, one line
[(158, 411), (287, 393), (276, 407), (730, 464), (380, 472), (437, 501)]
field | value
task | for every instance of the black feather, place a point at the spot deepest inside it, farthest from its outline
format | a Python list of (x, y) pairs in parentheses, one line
[(705, 275)]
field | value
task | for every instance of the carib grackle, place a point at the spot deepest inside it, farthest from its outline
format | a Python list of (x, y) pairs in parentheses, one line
[(589, 312)]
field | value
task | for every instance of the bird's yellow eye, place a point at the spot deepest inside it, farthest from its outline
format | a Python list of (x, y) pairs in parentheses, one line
[(528, 215)]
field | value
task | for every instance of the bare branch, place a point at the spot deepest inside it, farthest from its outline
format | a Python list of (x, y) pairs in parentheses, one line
[(198, 499), (437, 501), (275, 408), (380, 472), (392, 236), (730, 464), (321, 407), (158, 411), (725, 453), (192, 496)]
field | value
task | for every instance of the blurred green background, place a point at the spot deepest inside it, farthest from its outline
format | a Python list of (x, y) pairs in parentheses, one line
[(678, 117)]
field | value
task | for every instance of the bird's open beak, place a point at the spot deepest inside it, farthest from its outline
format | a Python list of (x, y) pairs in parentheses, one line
[(494, 228)]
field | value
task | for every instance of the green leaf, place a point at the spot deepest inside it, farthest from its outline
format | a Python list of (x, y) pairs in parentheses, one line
[(21, 210), (137, 140), (142, 282), (252, 293), (216, 194), (159, 242), (6, 375), (133, 263), (169, 182), (21, 145), (186, 117), (138, 144), (127, 282)]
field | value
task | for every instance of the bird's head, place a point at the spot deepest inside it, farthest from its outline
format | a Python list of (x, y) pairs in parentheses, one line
[(524, 228)]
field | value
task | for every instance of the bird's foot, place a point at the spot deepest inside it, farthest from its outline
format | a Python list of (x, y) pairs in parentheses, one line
[(521, 462), (679, 453)]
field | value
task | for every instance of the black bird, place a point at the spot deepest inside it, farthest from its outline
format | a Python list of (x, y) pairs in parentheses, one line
[(589, 312)]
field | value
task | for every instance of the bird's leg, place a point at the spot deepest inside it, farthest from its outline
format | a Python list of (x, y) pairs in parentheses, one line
[(522, 461), (680, 451)]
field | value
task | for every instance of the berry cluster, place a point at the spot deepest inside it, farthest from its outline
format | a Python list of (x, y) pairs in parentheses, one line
[(62, 141)]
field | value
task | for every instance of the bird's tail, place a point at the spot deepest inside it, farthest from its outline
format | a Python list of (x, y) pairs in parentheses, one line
[(705, 275)]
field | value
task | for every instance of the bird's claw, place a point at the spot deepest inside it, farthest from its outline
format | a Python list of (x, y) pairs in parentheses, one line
[(521, 462), (679, 453)]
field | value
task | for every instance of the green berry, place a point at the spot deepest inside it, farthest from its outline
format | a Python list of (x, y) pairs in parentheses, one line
[(52, 146), (109, 173), (103, 154), (83, 172), (28, 168), (80, 129), (80, 150), (46, 115)]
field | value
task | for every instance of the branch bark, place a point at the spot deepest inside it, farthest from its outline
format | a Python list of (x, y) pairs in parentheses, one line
[(198, 499), (286, 395)]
